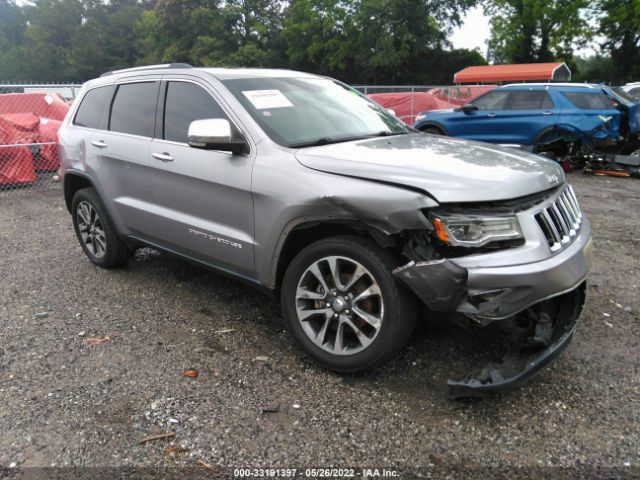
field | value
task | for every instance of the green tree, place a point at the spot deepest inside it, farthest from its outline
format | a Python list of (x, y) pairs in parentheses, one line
[(524, 31), (620, 26)]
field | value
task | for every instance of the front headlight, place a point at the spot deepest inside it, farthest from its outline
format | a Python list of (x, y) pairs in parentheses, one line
[(472, 231)]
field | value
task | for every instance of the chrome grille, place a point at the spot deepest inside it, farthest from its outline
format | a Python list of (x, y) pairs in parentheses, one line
[(560, 221)]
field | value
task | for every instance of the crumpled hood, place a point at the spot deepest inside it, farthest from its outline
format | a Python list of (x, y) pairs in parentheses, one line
[(449, 169)]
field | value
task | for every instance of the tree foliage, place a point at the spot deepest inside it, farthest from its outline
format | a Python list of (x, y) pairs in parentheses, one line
[(524, 31), (620, 27), (361, 41)]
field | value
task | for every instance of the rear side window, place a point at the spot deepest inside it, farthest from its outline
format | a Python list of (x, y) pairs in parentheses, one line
[(186, 102), (590, 101), (134, 109), (492, 101), (530, 100), (92, 112)]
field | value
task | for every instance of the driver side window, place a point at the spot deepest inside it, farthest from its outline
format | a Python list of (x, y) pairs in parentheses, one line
[(492, 101), (184, 103)]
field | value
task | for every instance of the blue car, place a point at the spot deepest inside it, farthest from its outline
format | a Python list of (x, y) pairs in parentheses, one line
[(543, 117)]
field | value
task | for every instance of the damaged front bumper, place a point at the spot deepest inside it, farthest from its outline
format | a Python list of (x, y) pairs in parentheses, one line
[(522, 297)]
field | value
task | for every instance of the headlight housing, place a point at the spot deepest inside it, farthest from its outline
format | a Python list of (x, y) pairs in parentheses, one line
[(475, 231)]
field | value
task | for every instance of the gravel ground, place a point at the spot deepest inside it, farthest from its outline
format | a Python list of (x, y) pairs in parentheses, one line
[(69, 404)]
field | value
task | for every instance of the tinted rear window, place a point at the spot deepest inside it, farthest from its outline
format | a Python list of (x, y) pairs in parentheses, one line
[(185, 103), (590, 101), (530, 100), (134, 109), (92, 112)]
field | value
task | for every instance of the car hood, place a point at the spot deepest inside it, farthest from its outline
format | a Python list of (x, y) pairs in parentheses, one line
[(448, 169)]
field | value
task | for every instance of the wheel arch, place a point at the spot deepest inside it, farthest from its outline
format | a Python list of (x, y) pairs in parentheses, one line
[(74, 181), (307, 232), (432, 124)]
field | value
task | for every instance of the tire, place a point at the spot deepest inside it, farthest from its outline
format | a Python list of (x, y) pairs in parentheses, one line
[(95, 231), (432, 131), (394, 306)]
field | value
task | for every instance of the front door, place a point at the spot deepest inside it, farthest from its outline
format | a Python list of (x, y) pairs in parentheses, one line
[(202, 198)]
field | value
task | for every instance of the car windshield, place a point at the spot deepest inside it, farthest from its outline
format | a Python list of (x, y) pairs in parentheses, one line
[(301, 112)]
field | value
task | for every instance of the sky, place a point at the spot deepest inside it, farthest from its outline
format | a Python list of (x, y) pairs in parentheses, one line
[(475, 32)]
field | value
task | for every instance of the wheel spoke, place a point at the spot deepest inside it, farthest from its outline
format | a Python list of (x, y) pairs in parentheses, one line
[(367, 317), (305, 294), (315, 270), (338, 344), (357, 275), (362, 338), (373, 290), (335, 272), (305, 314), (322, 333)]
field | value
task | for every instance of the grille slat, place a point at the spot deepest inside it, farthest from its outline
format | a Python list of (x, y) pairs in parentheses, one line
[(560, 220)]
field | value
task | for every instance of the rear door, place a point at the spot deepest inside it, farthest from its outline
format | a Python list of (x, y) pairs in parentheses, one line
[(529, 112), (122, 153), (203, 207)]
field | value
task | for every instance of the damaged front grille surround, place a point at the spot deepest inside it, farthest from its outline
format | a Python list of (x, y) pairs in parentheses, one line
[(560, 221)]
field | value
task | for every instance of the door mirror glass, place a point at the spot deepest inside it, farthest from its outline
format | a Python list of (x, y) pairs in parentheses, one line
[(215, 134)]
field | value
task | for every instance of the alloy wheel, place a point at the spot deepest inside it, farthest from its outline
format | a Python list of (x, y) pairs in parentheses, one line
[(91, 229), (339, 305)]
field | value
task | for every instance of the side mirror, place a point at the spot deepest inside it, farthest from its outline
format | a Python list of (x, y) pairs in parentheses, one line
[(468, 107), (215, 134)]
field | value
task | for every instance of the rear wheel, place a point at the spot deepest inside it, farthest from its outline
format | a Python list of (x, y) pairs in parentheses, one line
[(96, 234), (343, 306)]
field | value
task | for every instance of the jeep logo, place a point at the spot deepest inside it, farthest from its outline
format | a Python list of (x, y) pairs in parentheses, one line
[(552, 178)]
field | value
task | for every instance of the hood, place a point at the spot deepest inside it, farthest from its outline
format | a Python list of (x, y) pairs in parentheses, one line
[(448, 169)]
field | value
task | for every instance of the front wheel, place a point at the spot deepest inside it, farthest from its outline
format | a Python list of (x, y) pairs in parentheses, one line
[(343, 306)]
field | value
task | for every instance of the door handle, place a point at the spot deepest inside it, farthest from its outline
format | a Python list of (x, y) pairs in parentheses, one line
[(547, 113), (491, 115), (99, 143), (163, 157)]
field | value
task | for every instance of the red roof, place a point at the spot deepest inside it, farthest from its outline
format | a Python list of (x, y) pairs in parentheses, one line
[(557, 71)]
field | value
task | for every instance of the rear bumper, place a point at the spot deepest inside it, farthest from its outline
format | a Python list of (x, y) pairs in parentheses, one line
[(495, 293)]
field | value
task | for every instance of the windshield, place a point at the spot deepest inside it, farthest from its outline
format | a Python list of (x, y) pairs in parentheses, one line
[(299, 112)]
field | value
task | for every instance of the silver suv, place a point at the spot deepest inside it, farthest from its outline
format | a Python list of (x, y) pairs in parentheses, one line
[(300, 184)]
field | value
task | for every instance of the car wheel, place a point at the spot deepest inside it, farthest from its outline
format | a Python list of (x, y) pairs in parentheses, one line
[(343, 306), (432, 131), (95, 232)]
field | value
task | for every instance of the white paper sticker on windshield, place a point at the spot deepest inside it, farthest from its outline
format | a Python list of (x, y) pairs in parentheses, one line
[(262, 99)]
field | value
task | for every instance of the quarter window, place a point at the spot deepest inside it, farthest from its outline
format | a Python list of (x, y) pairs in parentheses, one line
[(590, 101), (530, 100), (186, 102), (134, 109), (492, 101), (92, 111)]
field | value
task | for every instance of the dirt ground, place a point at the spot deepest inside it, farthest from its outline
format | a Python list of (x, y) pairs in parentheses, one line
[(71, 405)]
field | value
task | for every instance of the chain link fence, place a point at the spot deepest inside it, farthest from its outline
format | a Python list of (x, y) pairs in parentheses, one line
[(30, 115), (409, 100)]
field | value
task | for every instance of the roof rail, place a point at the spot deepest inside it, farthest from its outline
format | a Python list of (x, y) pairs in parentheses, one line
[(550, 84), (148, 67)]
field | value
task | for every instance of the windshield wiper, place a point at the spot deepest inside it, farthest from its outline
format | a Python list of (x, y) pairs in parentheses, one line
[(328, 140)]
